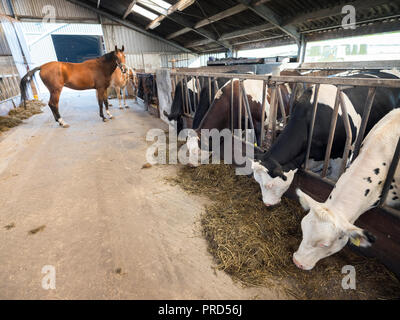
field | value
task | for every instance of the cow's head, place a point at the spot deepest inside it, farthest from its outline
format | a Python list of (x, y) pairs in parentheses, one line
[(325, 233), (273, 181), (192, 144), (120, 55)]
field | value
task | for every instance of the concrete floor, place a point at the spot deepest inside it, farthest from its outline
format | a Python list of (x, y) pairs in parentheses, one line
[(112, 230)]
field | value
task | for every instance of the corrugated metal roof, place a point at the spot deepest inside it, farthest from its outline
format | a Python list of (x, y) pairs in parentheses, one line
[(286, 12), (133, 41), (63, 9)]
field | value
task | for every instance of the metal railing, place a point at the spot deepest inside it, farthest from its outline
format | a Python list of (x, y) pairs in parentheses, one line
[(9, 86), (273, 84)]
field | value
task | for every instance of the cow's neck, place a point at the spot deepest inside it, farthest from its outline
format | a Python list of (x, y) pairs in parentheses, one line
[(354, 194)]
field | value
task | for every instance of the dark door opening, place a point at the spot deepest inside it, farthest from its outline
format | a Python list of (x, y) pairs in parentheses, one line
[(77, 48)]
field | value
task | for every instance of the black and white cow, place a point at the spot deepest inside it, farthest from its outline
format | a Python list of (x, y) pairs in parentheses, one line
[(178, 102), (203, 104), (329, 225), (275, 169)]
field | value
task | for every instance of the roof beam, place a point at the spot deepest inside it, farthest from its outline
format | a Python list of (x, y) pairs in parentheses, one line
[(333, 11), (270, 16), (247, 31), (221, 15), (179, 6), (129, 9), (204, 33), (232, 35), (178, 33), (127, 24), (198, 43)]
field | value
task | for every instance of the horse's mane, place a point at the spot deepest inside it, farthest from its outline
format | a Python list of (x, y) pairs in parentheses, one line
[(108, 57)]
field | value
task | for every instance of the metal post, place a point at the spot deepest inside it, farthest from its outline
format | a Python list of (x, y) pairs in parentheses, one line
[(293, 97), (198, 89), (209, 89), (311, 132), (194, 93), (367, 110), (183, 96), (187, 97), (264, 105), (390, 175), (248, 110), (272, 117), (232, 114), (281, 104), (240, 106), (331, 133), (349, 134)]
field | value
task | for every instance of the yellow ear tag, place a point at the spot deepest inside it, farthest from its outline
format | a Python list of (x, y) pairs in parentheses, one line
[(356, 242), (255, 144)]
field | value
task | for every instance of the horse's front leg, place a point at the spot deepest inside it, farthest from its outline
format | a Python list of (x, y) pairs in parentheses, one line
[(124, 95), (100, 99), (107, 111)]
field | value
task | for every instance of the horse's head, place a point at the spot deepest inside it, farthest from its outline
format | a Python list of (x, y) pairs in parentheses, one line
[(120, 56)]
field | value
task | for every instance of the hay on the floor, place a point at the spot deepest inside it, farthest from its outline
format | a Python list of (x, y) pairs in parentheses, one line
[(254, 244), (16, 115)]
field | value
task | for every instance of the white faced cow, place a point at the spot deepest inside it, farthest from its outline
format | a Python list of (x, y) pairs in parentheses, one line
[(275, 169), (328, 226)]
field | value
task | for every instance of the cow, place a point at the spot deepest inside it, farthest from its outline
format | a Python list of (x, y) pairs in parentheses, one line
[(147, 88), (219, 116), (119, 81), (203, 104), (275, 169), (329, 225), (178, 102)]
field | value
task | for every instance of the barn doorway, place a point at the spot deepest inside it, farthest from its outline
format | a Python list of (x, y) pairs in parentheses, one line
[(77, 48)]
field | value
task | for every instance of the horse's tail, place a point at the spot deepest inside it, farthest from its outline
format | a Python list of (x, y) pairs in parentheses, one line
[(23, 84)]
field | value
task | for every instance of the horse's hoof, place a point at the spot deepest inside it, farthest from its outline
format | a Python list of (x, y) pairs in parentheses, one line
[(66, 125), (121, 108), (126, 107), (105, 120), (111, 117)]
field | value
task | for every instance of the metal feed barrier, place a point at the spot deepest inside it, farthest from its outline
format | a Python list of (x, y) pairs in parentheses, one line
[(276, 100), (382, 221)]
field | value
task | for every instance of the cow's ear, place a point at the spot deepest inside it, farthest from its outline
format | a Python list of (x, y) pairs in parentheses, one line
[(306, 96), (256, 166), (258, 155), (306, 201), (359, 237), (123, 48)]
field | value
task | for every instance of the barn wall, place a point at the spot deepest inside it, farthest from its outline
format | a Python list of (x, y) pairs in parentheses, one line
[(34, 10), (142, 52)]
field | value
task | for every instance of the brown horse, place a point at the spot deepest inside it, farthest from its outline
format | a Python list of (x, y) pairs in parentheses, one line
[(120, 80), (90, 74)]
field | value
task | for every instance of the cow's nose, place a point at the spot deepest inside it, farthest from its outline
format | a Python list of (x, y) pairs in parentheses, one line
[(298, 264), (268, 205)]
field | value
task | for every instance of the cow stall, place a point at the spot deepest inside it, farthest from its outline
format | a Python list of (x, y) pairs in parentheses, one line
[(383, 221)]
